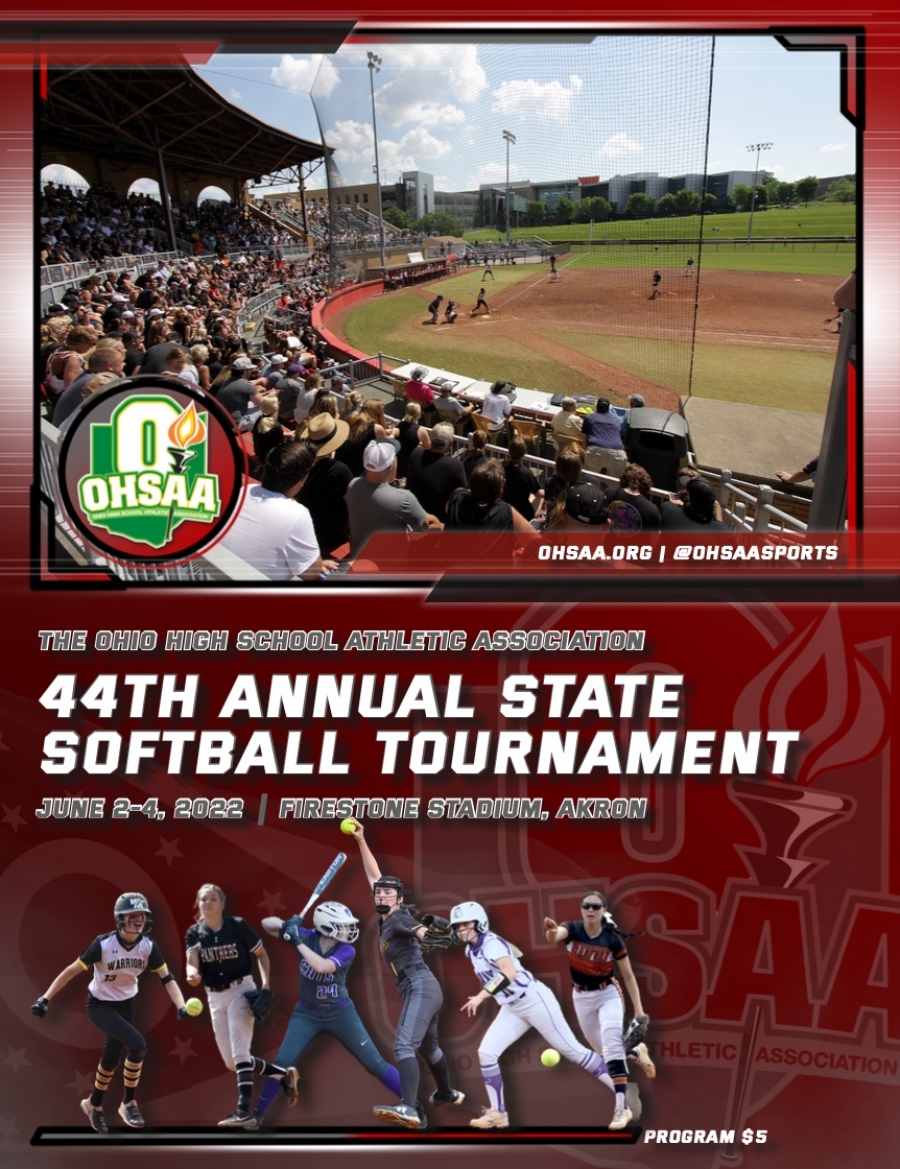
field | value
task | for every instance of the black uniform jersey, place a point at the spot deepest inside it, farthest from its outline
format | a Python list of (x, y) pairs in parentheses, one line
[(591, 959), (399, 946), (223, 954), (118, 965)]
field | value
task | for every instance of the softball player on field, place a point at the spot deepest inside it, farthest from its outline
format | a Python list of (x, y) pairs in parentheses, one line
[(593, 945), (323, 1005), (524, 1003), (219, 950), (417, 1030), (118, 960)]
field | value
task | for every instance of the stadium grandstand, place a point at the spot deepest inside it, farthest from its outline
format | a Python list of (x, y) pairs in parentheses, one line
[(233, 297)]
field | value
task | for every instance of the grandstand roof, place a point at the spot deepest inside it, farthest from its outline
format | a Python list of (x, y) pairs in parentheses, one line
[(126, 113)]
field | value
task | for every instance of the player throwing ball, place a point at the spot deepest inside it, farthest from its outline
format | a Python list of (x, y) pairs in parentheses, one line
[(323, 1004), (400, 941), (524, 1003), (219, 953), (118, 959), (593, 946)]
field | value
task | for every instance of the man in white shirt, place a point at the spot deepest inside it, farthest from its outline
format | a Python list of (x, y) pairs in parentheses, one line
[(274, 533), (497, 408)]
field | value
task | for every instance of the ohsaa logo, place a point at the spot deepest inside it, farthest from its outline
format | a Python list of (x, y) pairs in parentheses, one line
[(150, 471)]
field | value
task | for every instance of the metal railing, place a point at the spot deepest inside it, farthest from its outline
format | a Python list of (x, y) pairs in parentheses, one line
[(744, 510)]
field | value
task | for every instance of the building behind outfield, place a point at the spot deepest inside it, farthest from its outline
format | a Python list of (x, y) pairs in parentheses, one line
[(484, 207)]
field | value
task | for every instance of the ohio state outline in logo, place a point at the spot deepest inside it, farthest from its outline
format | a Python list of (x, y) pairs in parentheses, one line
[(151, 471)]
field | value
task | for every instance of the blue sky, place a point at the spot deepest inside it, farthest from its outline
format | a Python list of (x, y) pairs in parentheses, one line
[(612, 105), (617, 105)]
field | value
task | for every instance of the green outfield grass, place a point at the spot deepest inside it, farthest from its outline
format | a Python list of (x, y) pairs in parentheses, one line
[(804, 259), (782, 378), (835, 219)]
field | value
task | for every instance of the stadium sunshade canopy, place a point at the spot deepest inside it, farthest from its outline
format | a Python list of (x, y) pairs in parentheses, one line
[(128, 113)]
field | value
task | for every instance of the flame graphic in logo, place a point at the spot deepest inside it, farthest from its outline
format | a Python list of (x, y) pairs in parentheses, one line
[(187, 429)]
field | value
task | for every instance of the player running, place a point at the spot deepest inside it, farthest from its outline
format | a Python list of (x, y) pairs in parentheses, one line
[(118, 959), (524, 1003), (593, 945), (219, 951), (400, 935), (323, 1004)]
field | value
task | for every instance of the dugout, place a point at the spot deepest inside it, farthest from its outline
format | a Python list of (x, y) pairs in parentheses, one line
[(659, 441)]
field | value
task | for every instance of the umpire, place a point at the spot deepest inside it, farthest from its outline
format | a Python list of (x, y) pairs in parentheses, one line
[(401, 935)]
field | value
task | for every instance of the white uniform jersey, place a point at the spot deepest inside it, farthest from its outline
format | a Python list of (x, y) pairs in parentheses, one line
[(484, 955), (118, 966)]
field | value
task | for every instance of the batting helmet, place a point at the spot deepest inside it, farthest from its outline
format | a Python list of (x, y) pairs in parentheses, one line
[(128, 903), (470, 911), (334, 920)]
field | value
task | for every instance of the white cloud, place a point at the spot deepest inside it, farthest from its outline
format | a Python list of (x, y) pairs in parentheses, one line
[(411, 153), (420, 68), (491, 172), (393, 107), (619, 146), (833, 147), (300, 74), (352, 142), (235, 94), (552, 101)]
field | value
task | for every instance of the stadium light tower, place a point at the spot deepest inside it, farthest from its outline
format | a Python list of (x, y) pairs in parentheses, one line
[(758, 147), (508, 138), (375, 67)]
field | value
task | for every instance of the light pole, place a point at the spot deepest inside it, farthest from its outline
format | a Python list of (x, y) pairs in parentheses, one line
[(508, 138), (758, 147), (375, 67)]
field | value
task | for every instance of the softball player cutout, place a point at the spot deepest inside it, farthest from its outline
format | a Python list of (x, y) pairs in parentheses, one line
[(118, 960), (524, 1003), (400, 934), (593, 945), (219, 951), (323, 1005)]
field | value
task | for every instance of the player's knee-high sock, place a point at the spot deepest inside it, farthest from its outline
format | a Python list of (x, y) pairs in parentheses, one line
[(441, 1072), (592, 1063), (390, 1077), (493, 1081), (132, 1075), (618, 1069), (262, 1068), (244, 1082), (102, 1079), (408, 1070), (269, 1091)]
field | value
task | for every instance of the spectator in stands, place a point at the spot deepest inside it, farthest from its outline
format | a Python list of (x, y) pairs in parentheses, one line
[(631, 505), (106, 357), (306, 394), (375, 505), (70, 359), (586, 507), (156, 355), (180, 366), (569, 470), (268, 432), (521, 488), (134, 352), (324, 403), (480, 508), (603, 433), (567, 423), (433, 474), (497, 408), (450, 409), (274, 533), (410, 434), (375, 411), (697, 513), (324, 492), (200, 357), (805, 473), (95, 385), (680, 498), (241, 397), (475, 453), (352, 403), (418, 391)]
